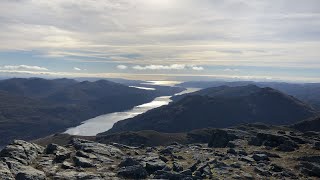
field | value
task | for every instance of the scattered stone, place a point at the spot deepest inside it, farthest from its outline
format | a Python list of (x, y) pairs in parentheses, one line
[(73, 175), (167, 151), (169, 175), (276, 168), (22, 151), (52, 148), (247, 176), (128, 162), (29, 173), (310, 134), (60, 152), (149, 149), (231, 144), (197, 173), (231, 151), (194, 166), (177, 167), (317, 145), (287, 146), (310, 165), (86, 155), (242, 152), (62, 155), (5, 172), (155, 166), (133, 172), (271, 140), (310, 169), (235, 165), (272, 155), (186, 172), (164, 159), (83, 159), (247, 159), (260, 157), (83, 162), (96, 148), (67, 165), (262, 172), (220, 138)]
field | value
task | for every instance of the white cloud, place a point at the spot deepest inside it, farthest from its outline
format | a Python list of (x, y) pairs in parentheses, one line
[(122, 67), (231, 70), (24, 67), (160, 67), (77, 69), (156, 76), (168, 67), (166, 32), (197, 68)]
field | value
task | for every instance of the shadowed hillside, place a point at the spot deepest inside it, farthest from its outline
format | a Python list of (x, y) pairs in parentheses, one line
[(51, 106), (220, 107)]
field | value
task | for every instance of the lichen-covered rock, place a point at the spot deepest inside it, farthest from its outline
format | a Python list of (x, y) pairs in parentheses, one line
[(310, 165), (91, 160), (73, 175), (29, 173), (274, 140), (153, 166), (160, 174), (133, 172), (128, 162), (83, 162), (177, 167), (22, 151), (5, 173), (260, 157), (96, 148), (220, 138)]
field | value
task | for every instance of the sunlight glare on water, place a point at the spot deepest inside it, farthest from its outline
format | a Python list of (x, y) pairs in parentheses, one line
[(104, 122)]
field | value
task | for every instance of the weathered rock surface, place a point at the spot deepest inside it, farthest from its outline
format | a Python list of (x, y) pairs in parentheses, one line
[(221, 138), (133, 172), (254, 154)]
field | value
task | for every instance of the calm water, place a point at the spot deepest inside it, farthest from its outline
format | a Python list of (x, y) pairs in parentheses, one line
[(105, 122)]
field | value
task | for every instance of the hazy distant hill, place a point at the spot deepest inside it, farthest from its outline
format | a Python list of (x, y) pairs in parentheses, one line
[(221, 107), (34, 87), (31, 108), (307, 92)]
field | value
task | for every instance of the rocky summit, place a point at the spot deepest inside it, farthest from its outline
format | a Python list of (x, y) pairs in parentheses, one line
[(243, 152)]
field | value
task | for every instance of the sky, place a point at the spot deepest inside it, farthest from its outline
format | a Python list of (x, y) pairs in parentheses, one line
[(271, 40)]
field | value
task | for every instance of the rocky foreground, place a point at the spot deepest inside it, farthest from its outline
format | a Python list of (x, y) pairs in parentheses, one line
[(244, 152)]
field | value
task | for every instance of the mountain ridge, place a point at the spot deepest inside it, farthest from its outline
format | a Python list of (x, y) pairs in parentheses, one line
[(220, 111), (63, 103)]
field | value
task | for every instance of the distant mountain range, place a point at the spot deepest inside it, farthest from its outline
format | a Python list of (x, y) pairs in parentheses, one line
[(220, 107), (307, 92), (32, 108)]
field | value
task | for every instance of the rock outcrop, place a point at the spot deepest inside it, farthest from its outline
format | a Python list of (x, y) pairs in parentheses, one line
[(246, 152)]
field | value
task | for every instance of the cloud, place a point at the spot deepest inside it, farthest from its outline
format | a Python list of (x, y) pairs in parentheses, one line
[(24, 67), (156, 35), (77, 69), (197, 68), (160, 67), (231, 70), (168, 67), (156, 76), (122, 67)]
